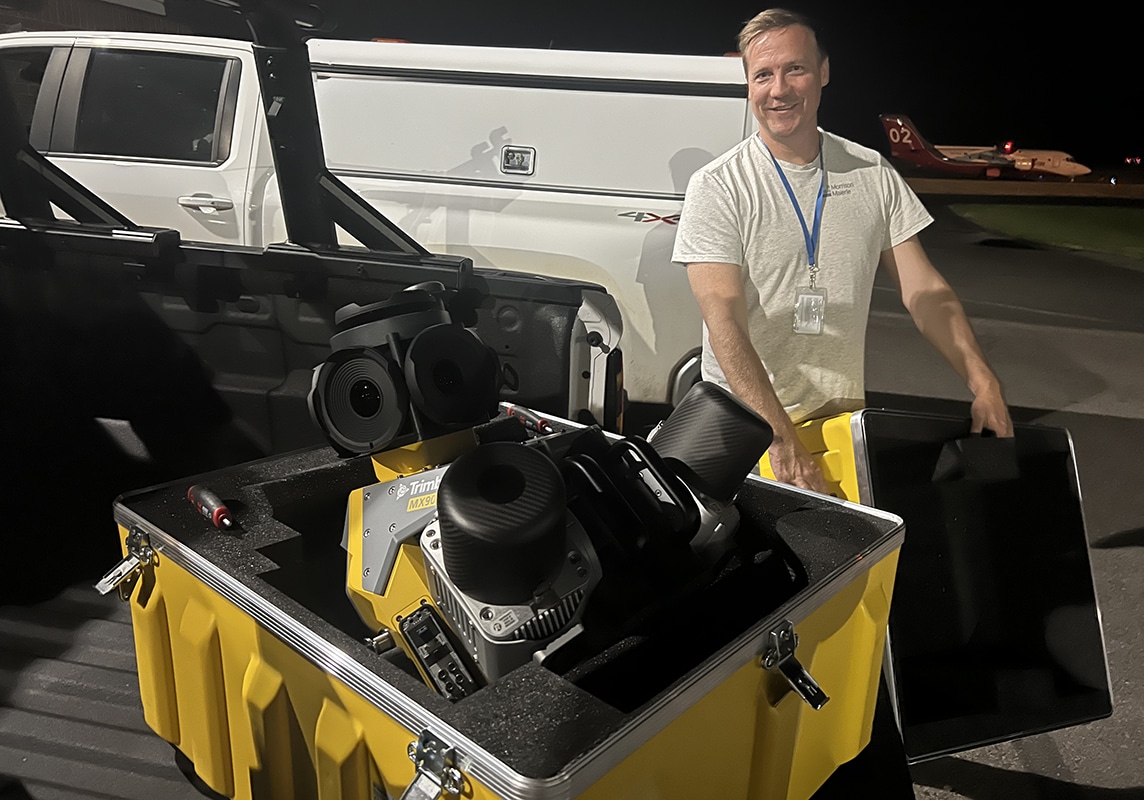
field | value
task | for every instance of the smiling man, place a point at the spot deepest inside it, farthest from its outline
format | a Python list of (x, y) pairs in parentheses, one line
[(782, 235)]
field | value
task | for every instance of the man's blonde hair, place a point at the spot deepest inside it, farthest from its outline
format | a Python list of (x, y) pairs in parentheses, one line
[(771, 20)]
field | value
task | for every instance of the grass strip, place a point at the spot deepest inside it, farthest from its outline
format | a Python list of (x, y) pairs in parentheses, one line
[(1116, 230)]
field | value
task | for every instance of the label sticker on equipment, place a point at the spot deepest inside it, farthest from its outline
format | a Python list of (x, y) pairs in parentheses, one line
[(422, 501), (505, 621)]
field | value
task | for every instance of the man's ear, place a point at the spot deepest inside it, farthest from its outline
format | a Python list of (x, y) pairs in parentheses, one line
[(824, 71)]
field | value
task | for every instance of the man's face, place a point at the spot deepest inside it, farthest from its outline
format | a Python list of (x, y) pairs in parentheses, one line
[(784, 82)]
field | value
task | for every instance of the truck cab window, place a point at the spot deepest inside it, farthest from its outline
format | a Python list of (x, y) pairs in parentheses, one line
[(151, 105), (23, 70)]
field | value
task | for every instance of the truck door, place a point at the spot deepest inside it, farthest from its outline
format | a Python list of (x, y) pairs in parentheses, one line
[(153, 132)]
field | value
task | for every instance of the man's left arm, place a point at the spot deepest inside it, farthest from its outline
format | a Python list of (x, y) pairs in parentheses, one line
[(939, 316)]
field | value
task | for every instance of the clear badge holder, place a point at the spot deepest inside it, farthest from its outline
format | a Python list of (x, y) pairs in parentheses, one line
[(809, 310)]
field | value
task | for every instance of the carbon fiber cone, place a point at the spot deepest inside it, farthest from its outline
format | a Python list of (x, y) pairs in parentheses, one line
[(716, 437), (502, 514)]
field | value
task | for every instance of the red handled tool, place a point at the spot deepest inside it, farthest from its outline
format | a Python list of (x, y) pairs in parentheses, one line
[(210, 506), (531, 420)]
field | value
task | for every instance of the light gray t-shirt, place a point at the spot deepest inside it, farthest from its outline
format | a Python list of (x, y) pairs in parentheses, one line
[(737, 211)]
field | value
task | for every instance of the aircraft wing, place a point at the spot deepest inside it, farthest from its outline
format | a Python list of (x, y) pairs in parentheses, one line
[(979, 155)]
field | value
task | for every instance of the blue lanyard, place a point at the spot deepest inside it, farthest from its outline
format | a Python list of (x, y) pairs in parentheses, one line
[(811, 238)]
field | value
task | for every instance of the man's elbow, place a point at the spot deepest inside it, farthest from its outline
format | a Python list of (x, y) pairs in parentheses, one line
[(933, 305)]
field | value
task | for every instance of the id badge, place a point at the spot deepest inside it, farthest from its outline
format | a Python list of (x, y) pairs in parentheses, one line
[(809, 310)]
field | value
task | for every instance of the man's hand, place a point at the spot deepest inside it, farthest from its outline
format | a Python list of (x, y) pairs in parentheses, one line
[(792, 463), (990, 412)]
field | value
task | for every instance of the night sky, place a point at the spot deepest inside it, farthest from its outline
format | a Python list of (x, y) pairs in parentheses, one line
[(967, 73)]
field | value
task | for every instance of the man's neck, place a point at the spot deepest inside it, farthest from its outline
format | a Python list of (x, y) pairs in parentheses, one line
[(801, 150)]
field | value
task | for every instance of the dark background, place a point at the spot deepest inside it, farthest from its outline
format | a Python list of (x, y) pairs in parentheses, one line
[(967, 73)]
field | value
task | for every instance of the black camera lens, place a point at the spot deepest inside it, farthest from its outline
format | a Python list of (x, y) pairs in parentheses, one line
[(453, 377), (447, 377), (356, 401), (365, 398)]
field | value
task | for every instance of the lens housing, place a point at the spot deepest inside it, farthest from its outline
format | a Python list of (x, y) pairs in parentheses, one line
[(400, 371), (357, 401)]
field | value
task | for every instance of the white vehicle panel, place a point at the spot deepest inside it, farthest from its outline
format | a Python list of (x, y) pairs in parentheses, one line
[(620, 142), (147, 193), (528, 61)]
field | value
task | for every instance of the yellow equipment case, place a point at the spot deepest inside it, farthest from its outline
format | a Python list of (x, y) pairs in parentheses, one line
[(254, 663)]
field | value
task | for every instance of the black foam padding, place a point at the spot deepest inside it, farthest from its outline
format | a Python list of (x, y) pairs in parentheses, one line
[(827, 533), (502, 514), (716, 437), (532, 703)]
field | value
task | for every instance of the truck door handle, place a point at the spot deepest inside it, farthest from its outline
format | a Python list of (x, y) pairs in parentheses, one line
[(205, 202)]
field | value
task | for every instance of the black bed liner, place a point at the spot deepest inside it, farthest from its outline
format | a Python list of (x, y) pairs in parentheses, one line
[(71, 722)]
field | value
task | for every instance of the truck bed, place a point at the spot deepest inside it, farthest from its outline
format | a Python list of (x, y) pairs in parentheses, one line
[(71, 723)]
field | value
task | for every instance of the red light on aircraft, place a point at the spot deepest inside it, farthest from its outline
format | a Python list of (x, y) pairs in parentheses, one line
[(1008, 148)]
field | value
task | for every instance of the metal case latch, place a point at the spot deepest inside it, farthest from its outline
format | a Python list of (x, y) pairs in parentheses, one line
[(436, 775), (780, 653), (124, 574)]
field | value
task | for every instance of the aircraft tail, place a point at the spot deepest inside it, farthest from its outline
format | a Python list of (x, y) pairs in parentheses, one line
[(908, 146), (905, 141)]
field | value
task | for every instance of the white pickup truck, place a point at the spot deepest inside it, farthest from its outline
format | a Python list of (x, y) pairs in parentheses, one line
[(562, 163)]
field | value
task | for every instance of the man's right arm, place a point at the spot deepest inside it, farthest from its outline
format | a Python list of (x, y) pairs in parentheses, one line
[(718, 289)]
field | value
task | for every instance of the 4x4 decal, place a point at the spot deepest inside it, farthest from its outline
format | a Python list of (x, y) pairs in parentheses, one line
[(647, 216)]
